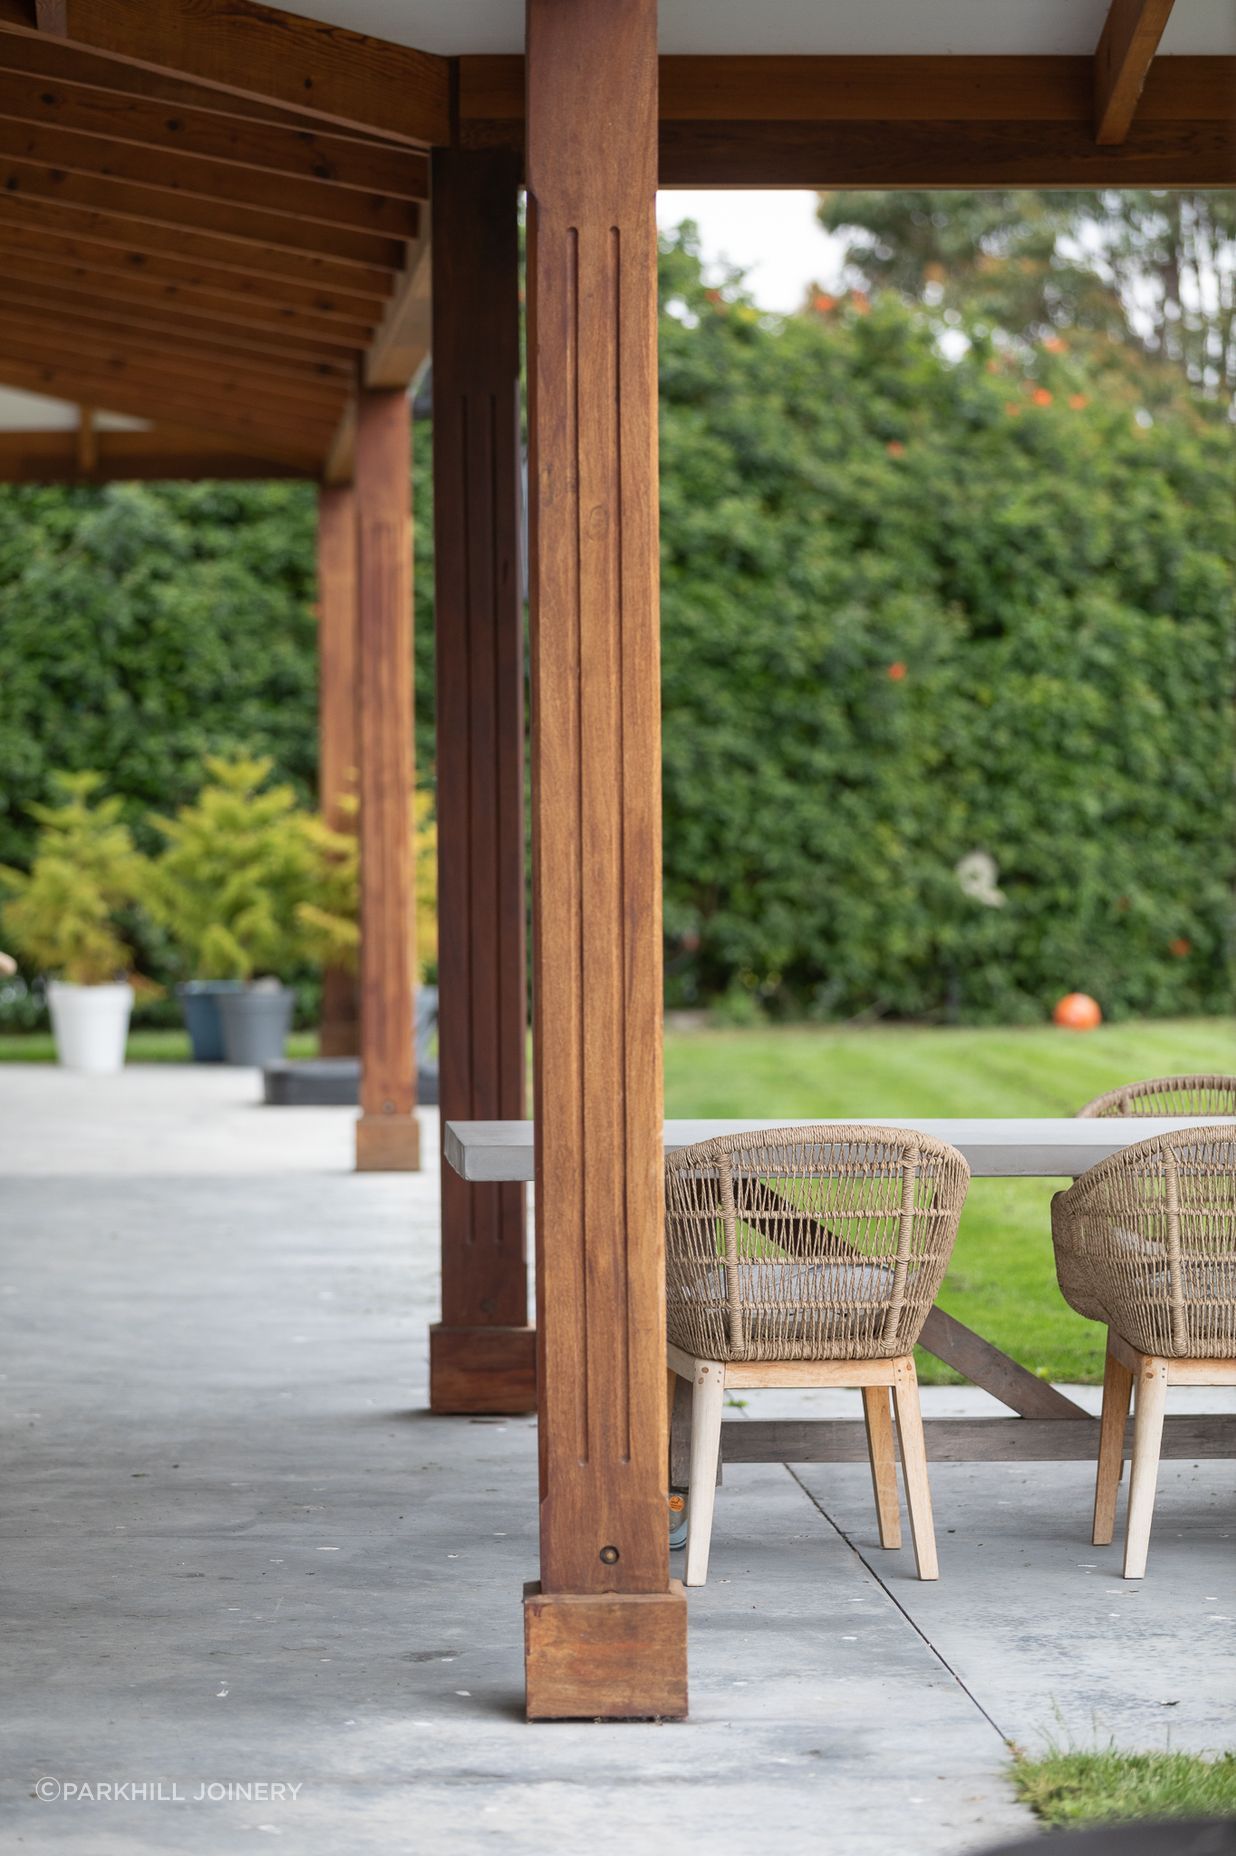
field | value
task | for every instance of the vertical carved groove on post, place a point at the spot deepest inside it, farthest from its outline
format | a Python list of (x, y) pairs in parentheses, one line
[(596, 775), (482, 1354)]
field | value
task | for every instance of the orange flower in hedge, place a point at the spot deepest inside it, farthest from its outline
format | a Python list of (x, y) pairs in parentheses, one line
[(1181, 946), (895, 448), (861, 302), (1012, 409), (896, 671), (1078, 402), (1055, 344), (823, 302), (1041, 396)]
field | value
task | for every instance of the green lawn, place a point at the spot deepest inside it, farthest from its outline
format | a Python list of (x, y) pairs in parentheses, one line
[(1002, 1281), (1068, 1789), (1003, 1278), (143, 1046)]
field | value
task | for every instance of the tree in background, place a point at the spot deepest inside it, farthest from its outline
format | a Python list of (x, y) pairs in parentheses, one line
[(1152, 272)]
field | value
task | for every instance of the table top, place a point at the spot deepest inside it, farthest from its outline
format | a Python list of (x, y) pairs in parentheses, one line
[(1041, 1147)]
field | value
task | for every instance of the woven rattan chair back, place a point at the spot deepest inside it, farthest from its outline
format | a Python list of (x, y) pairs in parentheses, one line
[(815, 1243), (1166, 1095), (1146, 1241)]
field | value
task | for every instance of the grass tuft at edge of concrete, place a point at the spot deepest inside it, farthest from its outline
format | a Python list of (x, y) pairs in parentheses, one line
[(1072, 1788)]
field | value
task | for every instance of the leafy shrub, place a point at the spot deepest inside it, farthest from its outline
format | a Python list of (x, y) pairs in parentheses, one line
[(237, 869), (330, 920), (62, 917)]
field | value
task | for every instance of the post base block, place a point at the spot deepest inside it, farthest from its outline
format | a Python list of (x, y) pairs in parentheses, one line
[(388, 1144), (612, 1656), (482, 1370)]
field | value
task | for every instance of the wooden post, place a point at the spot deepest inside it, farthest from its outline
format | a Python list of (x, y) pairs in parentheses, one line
[(339, 1034), (605, 1631), (482, 1354), (386, 1135)]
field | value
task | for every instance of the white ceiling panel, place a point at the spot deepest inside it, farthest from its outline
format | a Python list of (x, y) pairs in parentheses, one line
[(32, 412), (880, 27)]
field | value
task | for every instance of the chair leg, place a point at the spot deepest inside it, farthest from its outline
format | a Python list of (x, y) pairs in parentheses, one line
[(1148, 1409), (707, 1399), (914, 1468), (883, 1458), (1117, 1390)]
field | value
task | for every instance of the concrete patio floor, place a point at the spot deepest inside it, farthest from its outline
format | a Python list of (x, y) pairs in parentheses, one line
[(238, 1552)]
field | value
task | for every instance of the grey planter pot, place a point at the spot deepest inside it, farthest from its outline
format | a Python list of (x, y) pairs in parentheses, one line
[(255, 1023), (199, 1001)]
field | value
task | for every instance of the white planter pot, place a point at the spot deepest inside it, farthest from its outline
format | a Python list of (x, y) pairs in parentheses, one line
[(90, 1024)]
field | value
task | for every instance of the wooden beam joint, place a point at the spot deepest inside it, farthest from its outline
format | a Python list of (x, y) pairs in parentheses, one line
[(1122, 61)]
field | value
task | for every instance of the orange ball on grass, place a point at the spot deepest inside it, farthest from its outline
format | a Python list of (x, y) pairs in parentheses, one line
[(1077, 1011)]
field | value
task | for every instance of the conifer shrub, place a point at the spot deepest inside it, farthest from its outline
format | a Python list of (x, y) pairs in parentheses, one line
[(64, 914)]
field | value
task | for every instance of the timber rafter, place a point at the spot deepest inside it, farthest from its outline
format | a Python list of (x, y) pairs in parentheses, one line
[(210, 215)]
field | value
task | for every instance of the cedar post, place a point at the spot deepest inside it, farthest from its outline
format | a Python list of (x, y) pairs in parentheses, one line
[(387, 1138), (482, 1355), (605, 1631), (339, 1033)]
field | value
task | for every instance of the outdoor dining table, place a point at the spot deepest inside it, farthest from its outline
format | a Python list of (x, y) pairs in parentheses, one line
[(1048, 1425)]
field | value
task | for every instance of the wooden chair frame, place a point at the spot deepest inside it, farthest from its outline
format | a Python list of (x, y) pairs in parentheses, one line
[(711, 1379), (1152, 1374)]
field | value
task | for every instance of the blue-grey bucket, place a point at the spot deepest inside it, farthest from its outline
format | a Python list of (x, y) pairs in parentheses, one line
[(199, 1001), (256, 1021)]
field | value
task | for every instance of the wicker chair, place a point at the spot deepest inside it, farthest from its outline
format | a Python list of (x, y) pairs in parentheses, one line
[(1166, 1095), (810, 1257), (1146, 1241)]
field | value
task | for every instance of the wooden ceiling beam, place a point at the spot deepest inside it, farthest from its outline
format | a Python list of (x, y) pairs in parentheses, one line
[(1122, 62), (318, 283), (191, 176), (401, 344), (317, 69), (369, 167), (873, 155), (43, 56), (248, 227), (867, 89), (26, 335), (138, 399), (28, 338), (260, 324), (172, 327), (159, 455)]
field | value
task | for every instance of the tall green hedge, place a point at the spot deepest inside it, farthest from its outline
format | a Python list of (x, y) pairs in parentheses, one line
[(142, 626), (913, 607)]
